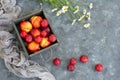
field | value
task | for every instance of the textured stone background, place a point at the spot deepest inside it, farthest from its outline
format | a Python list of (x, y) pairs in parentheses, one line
[(100, 42)]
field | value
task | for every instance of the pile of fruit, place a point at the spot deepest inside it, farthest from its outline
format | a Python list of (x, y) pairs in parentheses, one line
[(36, 33)]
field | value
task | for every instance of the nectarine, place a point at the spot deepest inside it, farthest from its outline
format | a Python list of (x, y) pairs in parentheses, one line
[(38, 39), (25, 26), (35, 32), (52, 38), (44, 33), (36, 21), (23, 34), (33, 47), (44, 42), (44, 23), (28, 38)]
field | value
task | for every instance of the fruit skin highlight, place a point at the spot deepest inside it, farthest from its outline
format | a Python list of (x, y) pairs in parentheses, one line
[(33, 46), (56, 61), (44, 43), (99, 67), (83, 58), (36, 21), (35, 32), (73, 61), (25, 26)]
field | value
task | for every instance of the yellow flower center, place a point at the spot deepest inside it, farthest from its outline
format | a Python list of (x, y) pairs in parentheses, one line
[(65, 9)]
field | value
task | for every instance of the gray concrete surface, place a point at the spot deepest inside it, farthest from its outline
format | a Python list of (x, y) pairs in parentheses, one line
[(100, 42)]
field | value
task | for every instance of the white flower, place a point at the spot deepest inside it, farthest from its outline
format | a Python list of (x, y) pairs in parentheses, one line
[(88, 15), (90, 6), (81, 18), (76, 9), (86, 25), (64, 9), (58, 13), (55, 9), (84, 11), (73, 22), (41, 4)]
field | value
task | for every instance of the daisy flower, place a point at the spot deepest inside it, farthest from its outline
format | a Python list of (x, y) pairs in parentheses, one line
[(86, 25), (90, 6), (64, 9)]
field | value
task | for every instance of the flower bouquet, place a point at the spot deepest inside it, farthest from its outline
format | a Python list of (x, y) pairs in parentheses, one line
[(73, 8)]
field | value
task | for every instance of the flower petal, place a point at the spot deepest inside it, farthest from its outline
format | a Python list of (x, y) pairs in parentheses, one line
[(84, 11), (90, 6), (74, 20), (86, 25), (55, 9), (81, 18), (64, 9), (58, 13), (88, 15)]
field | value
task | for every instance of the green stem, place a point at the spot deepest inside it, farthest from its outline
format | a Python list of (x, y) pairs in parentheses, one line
[(72, 16)]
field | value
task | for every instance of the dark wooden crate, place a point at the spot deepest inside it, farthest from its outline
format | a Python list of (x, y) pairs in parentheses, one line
[(17, 30)]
